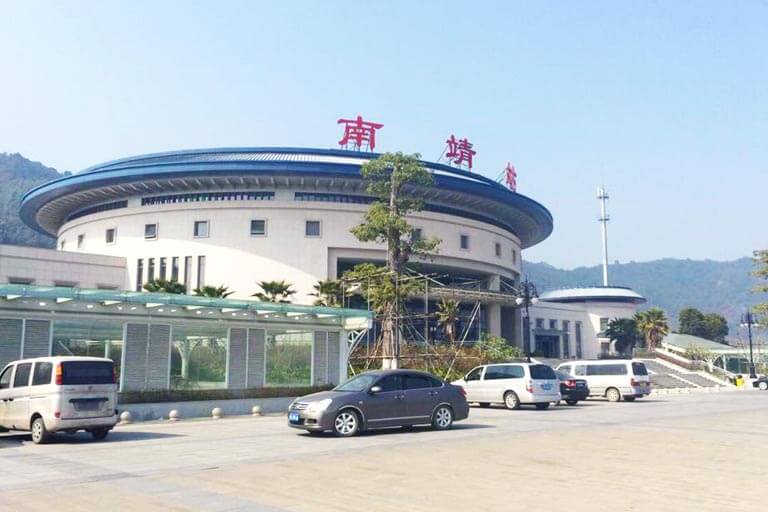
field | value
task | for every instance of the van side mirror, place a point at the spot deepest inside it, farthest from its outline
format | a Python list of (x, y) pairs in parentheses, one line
[(374, 390)]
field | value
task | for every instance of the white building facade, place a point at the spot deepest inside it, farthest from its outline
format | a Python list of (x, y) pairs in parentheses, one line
[(570, 323), (234, 217)]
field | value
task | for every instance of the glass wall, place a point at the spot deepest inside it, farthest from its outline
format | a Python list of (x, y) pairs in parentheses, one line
[(289, 358), (199, 356), (86, 337)]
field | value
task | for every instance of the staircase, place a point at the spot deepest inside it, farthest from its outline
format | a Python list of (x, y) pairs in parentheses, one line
[(665, 375)]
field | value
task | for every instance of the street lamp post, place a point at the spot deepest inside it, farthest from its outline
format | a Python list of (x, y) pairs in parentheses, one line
[(528, 296), (749, 320)]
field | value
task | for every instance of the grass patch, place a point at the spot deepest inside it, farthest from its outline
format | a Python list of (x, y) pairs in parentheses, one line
[(189, 395)]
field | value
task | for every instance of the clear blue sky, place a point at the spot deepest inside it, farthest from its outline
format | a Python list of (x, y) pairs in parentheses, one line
[(666, 103)]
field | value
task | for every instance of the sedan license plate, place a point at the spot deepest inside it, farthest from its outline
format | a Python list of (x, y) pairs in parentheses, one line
[(293, 417)]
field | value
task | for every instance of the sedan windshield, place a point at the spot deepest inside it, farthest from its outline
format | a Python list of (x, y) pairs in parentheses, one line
[(360, 383)]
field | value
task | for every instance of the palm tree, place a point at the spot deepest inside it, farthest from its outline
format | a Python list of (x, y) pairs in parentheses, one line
[(447, 315), (274, 291), (216, 292), (329, 293), (163, 286), (623, 332), (653, 325)]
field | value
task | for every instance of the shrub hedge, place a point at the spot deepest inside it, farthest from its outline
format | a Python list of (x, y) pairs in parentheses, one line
[(188, 395)]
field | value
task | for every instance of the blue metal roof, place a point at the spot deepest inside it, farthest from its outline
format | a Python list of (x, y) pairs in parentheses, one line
[(594, 294), (276, 161)]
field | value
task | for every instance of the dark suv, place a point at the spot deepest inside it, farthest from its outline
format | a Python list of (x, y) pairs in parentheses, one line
[(379, 399)]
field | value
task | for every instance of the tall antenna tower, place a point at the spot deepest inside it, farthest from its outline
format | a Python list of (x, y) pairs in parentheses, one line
[(602, 196)]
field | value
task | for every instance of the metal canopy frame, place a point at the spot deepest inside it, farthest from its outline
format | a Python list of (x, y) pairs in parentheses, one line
[(347, 317)]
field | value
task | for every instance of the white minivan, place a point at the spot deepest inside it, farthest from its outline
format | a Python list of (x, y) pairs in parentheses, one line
[(612, 378), (59, 394), (512, 384)]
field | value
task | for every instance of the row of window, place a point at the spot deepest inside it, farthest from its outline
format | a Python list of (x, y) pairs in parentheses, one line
[(158, 268), (40, 377), (194, 197), (553, 324), (298, 196), (258, 227), (198, 354), (98, 208)]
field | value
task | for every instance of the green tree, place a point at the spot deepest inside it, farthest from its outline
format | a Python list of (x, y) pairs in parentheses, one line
[(623, 332), (494, 349), (691, 321), (716, 327), (710, 326), (164, 286), (392, 178), (329, 293), (218, 292), (447, 315), (274, 291), (697, 353), (653, 325)]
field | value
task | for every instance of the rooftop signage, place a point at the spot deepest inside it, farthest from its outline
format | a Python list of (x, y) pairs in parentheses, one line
[(359, 133), (459, 152)]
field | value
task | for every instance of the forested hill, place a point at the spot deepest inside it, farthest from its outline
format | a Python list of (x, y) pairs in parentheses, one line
[(712, 286), (17, 176)]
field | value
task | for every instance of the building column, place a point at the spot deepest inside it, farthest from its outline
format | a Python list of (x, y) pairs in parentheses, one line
[(494, 319)]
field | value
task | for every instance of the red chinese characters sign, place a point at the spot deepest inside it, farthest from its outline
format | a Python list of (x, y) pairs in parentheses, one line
[(358, 132), (511, 177), (460, 151)]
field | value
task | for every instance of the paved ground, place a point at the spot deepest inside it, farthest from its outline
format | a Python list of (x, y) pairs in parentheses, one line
[(688, 452)]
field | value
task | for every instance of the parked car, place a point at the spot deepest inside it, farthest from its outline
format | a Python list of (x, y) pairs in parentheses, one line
[(512, 384), (612, 378), (572, 390), (761, 383), (59, 394), (379, 399)]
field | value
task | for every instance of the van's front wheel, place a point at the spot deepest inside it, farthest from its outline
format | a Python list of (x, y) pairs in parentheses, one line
[(99, 433), (613, 395), (40, 434)]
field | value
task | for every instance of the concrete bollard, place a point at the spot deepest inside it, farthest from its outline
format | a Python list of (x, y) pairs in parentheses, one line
[(173, 415), (256, 410), (216, 413), (125, 417)]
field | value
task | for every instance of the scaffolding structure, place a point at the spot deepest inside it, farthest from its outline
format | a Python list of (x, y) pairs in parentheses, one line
[(366, 347)]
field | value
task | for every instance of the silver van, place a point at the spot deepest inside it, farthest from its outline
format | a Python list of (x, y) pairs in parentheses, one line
[(59, 394), (513, 384), (612, 378)]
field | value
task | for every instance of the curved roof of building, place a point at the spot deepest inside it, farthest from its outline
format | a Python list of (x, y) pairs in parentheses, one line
[(594, 294), (48, 206)]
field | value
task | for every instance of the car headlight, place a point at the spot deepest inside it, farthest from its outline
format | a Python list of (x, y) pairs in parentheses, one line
[(319, 406)]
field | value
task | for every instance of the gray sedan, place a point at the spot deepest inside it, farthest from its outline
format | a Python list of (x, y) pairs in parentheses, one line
[(380, 399)]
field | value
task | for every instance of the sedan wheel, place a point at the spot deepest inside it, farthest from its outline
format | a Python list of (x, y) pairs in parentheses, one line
[(40, 434), (571, 402), (613, 395), (443, 418), (763, 385), (511, 401), (346, 424)]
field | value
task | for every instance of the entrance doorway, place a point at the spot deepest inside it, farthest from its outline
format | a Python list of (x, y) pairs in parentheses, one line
[(547, 345)]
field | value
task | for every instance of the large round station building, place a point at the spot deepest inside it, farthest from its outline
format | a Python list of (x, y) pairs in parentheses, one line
[(236, 216)]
